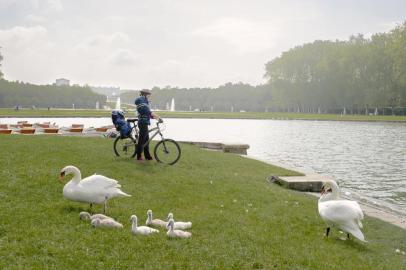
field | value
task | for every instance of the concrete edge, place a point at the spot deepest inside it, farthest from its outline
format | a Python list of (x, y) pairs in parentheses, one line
[(235, 148)]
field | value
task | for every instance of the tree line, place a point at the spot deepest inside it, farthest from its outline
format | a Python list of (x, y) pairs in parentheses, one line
[(225, 98), (361, 75), (21, 94)]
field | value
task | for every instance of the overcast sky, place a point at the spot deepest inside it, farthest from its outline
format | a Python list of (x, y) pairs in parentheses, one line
[(139, 44)]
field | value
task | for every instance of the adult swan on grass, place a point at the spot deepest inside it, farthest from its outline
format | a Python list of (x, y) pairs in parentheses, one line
[(344, 214), (96, 188)]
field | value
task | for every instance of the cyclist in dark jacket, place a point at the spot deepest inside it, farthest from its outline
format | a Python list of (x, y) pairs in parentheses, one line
[(144, 116)]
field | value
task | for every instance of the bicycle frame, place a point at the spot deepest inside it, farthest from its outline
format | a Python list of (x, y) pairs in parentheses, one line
[(158, 131), (135, 132)]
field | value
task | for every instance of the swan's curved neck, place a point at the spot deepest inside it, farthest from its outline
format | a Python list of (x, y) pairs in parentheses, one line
[(134, 225), (77, 176), (171, 225), (335, 191)]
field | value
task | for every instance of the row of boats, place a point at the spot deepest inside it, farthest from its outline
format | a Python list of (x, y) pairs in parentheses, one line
[(23, 127)]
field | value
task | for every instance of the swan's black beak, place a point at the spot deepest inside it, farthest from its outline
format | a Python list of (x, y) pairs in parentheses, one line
[(61, 177)]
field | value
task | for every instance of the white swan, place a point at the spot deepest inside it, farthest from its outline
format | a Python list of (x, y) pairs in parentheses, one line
[(180, 224), (154, 222), (87, 216), (108, 223), (176, 233), (344, 214), (93, 189), (143, 230)]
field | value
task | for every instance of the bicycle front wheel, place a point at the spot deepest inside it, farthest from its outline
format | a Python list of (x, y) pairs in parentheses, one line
[(125, 147), (167, 151)]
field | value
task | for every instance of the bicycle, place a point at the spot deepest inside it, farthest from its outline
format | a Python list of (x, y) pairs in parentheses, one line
[(165, 151)]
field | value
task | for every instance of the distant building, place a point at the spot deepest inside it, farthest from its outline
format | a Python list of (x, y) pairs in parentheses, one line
[(62, 82), (112, 93)]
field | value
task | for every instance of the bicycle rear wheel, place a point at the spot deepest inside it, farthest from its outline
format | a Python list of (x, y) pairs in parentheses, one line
[(125, 147), (167, 151)]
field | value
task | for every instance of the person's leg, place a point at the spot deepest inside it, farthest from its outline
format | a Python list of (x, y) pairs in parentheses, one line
[(142, 139), (147, 155)]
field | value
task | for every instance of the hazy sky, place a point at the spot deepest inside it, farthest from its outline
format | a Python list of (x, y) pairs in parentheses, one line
[(139, 44)]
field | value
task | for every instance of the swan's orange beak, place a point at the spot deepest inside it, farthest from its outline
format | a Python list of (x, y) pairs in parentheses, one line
[(61, 177)]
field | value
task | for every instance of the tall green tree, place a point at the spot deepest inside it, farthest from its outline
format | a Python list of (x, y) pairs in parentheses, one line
[(358, 74)]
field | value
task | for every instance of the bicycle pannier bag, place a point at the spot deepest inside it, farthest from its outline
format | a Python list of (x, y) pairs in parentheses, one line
[(118, 118)]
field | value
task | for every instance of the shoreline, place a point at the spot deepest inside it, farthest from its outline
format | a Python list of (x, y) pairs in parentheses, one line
[(86, 113), (220, 118)]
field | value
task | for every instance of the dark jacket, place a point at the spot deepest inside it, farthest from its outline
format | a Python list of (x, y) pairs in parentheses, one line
[(144, 112)]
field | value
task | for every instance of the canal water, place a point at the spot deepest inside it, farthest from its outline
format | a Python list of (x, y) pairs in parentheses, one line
[(367, 158)]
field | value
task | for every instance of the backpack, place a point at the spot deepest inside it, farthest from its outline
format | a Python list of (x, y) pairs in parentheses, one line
[(118, 118)]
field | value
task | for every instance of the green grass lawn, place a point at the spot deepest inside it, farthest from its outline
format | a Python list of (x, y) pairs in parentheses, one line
[(240, 221), (218, 115)]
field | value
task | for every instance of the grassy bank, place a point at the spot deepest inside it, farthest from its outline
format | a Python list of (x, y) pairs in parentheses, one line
[(218, 115), (240, 221)]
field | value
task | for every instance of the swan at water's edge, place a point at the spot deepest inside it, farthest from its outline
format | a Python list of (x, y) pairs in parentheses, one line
[(336, 212)]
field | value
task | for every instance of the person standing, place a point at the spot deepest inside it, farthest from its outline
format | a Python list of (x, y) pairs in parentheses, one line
[(144, 116)]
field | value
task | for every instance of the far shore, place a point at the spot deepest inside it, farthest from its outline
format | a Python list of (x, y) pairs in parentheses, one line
[(45, 113)]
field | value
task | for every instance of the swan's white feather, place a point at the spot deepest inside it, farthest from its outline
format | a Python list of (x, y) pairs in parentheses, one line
[(88, 216), (108, 223), (144, 230), (101, 181)]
